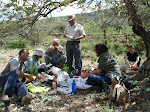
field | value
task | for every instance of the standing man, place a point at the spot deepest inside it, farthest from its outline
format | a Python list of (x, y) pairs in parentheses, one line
[(10, 78), (55, 54), (74, 32)]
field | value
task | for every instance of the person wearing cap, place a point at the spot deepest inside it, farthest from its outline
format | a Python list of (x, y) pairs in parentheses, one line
[(33, 65), (73, 33), (132, 57), (55, 54), (11, 76)]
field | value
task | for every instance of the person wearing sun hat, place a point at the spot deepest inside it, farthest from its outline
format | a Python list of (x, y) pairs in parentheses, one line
[(73, 33), (33, 65)]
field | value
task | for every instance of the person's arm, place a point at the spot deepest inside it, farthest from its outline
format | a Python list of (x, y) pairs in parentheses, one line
[(67, 36), (137, 60), (59, 50), (126, 59), (96, 71), (29, 76), (78, 38), (50, 49)]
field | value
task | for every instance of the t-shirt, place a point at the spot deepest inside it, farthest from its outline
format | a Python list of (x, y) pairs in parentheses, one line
[(74, 31), (132, 57), (54, 54), (108, 63)]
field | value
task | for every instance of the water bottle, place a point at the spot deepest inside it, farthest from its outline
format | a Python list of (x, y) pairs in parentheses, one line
[(74, 87)]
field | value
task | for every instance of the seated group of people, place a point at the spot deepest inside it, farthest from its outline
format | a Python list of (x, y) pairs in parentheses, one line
[(107, 69), (54, 55), (14, 75)]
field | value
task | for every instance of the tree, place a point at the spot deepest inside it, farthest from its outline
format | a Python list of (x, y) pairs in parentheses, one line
[(137, 12), (139, 28), (23, 14)]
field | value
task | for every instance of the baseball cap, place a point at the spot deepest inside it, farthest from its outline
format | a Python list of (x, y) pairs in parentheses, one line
[(71, 17)]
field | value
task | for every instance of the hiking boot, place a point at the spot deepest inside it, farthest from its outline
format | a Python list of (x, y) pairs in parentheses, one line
[(5, 99), (26, 99)]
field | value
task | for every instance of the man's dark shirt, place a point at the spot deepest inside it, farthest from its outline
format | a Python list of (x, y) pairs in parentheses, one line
[(132, 57)]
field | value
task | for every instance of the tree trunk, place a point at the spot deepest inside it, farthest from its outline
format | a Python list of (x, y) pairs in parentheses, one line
[(139, 29)]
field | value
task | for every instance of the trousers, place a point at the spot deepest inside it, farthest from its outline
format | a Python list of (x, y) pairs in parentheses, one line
[(73, 49), (14, 85), (98, 80)]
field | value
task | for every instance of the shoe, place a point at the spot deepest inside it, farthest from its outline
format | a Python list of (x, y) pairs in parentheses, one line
[(75, 72), (26, 99), (5, 99)]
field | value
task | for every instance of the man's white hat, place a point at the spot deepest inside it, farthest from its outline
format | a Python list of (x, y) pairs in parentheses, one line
[(71, 17), (39, 52)]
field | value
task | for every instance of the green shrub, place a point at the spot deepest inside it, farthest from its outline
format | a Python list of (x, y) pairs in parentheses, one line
[(65, 68), (17, 44)]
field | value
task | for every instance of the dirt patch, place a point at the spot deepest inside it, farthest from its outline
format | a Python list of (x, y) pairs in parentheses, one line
[(89, 100)]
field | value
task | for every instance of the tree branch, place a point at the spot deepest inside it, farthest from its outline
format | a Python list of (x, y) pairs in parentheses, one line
[(40, 12)]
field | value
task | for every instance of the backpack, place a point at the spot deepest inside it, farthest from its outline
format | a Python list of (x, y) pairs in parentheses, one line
[(119, 94)]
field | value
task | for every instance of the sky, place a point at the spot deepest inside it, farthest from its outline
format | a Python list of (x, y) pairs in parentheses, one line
[(69, 10), (72, 9)]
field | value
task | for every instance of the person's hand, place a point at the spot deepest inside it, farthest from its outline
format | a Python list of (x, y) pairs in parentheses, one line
[(84, 75), (74, 38), (31, 77), (56, 47), (52, 47), (129, 65)]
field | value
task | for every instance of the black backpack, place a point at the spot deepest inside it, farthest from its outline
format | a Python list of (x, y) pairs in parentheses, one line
[(127, 82)]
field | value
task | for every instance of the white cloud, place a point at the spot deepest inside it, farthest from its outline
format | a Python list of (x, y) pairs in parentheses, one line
[(66, 11), (72, 9)]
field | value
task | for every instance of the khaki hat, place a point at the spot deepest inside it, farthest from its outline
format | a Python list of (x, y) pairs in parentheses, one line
[(71, 17), (39, 52)]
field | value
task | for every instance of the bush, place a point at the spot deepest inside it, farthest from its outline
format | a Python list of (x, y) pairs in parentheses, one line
[(17, 44), (65, 68)]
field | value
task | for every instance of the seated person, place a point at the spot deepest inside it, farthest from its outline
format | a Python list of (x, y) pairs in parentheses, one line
[(33, 65), (132, 57), (55, 54), (10, 79), (107, 69)]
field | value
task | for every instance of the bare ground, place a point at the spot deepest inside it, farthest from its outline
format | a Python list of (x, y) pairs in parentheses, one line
[(89, 100)]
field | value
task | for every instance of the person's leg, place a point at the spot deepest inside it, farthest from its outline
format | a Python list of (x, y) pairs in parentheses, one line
[(97, 80), (3, 79), (20, 89), (22, 93), (77, 57), (69, 55), (47, 59), (13, 76), (61, 61)]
